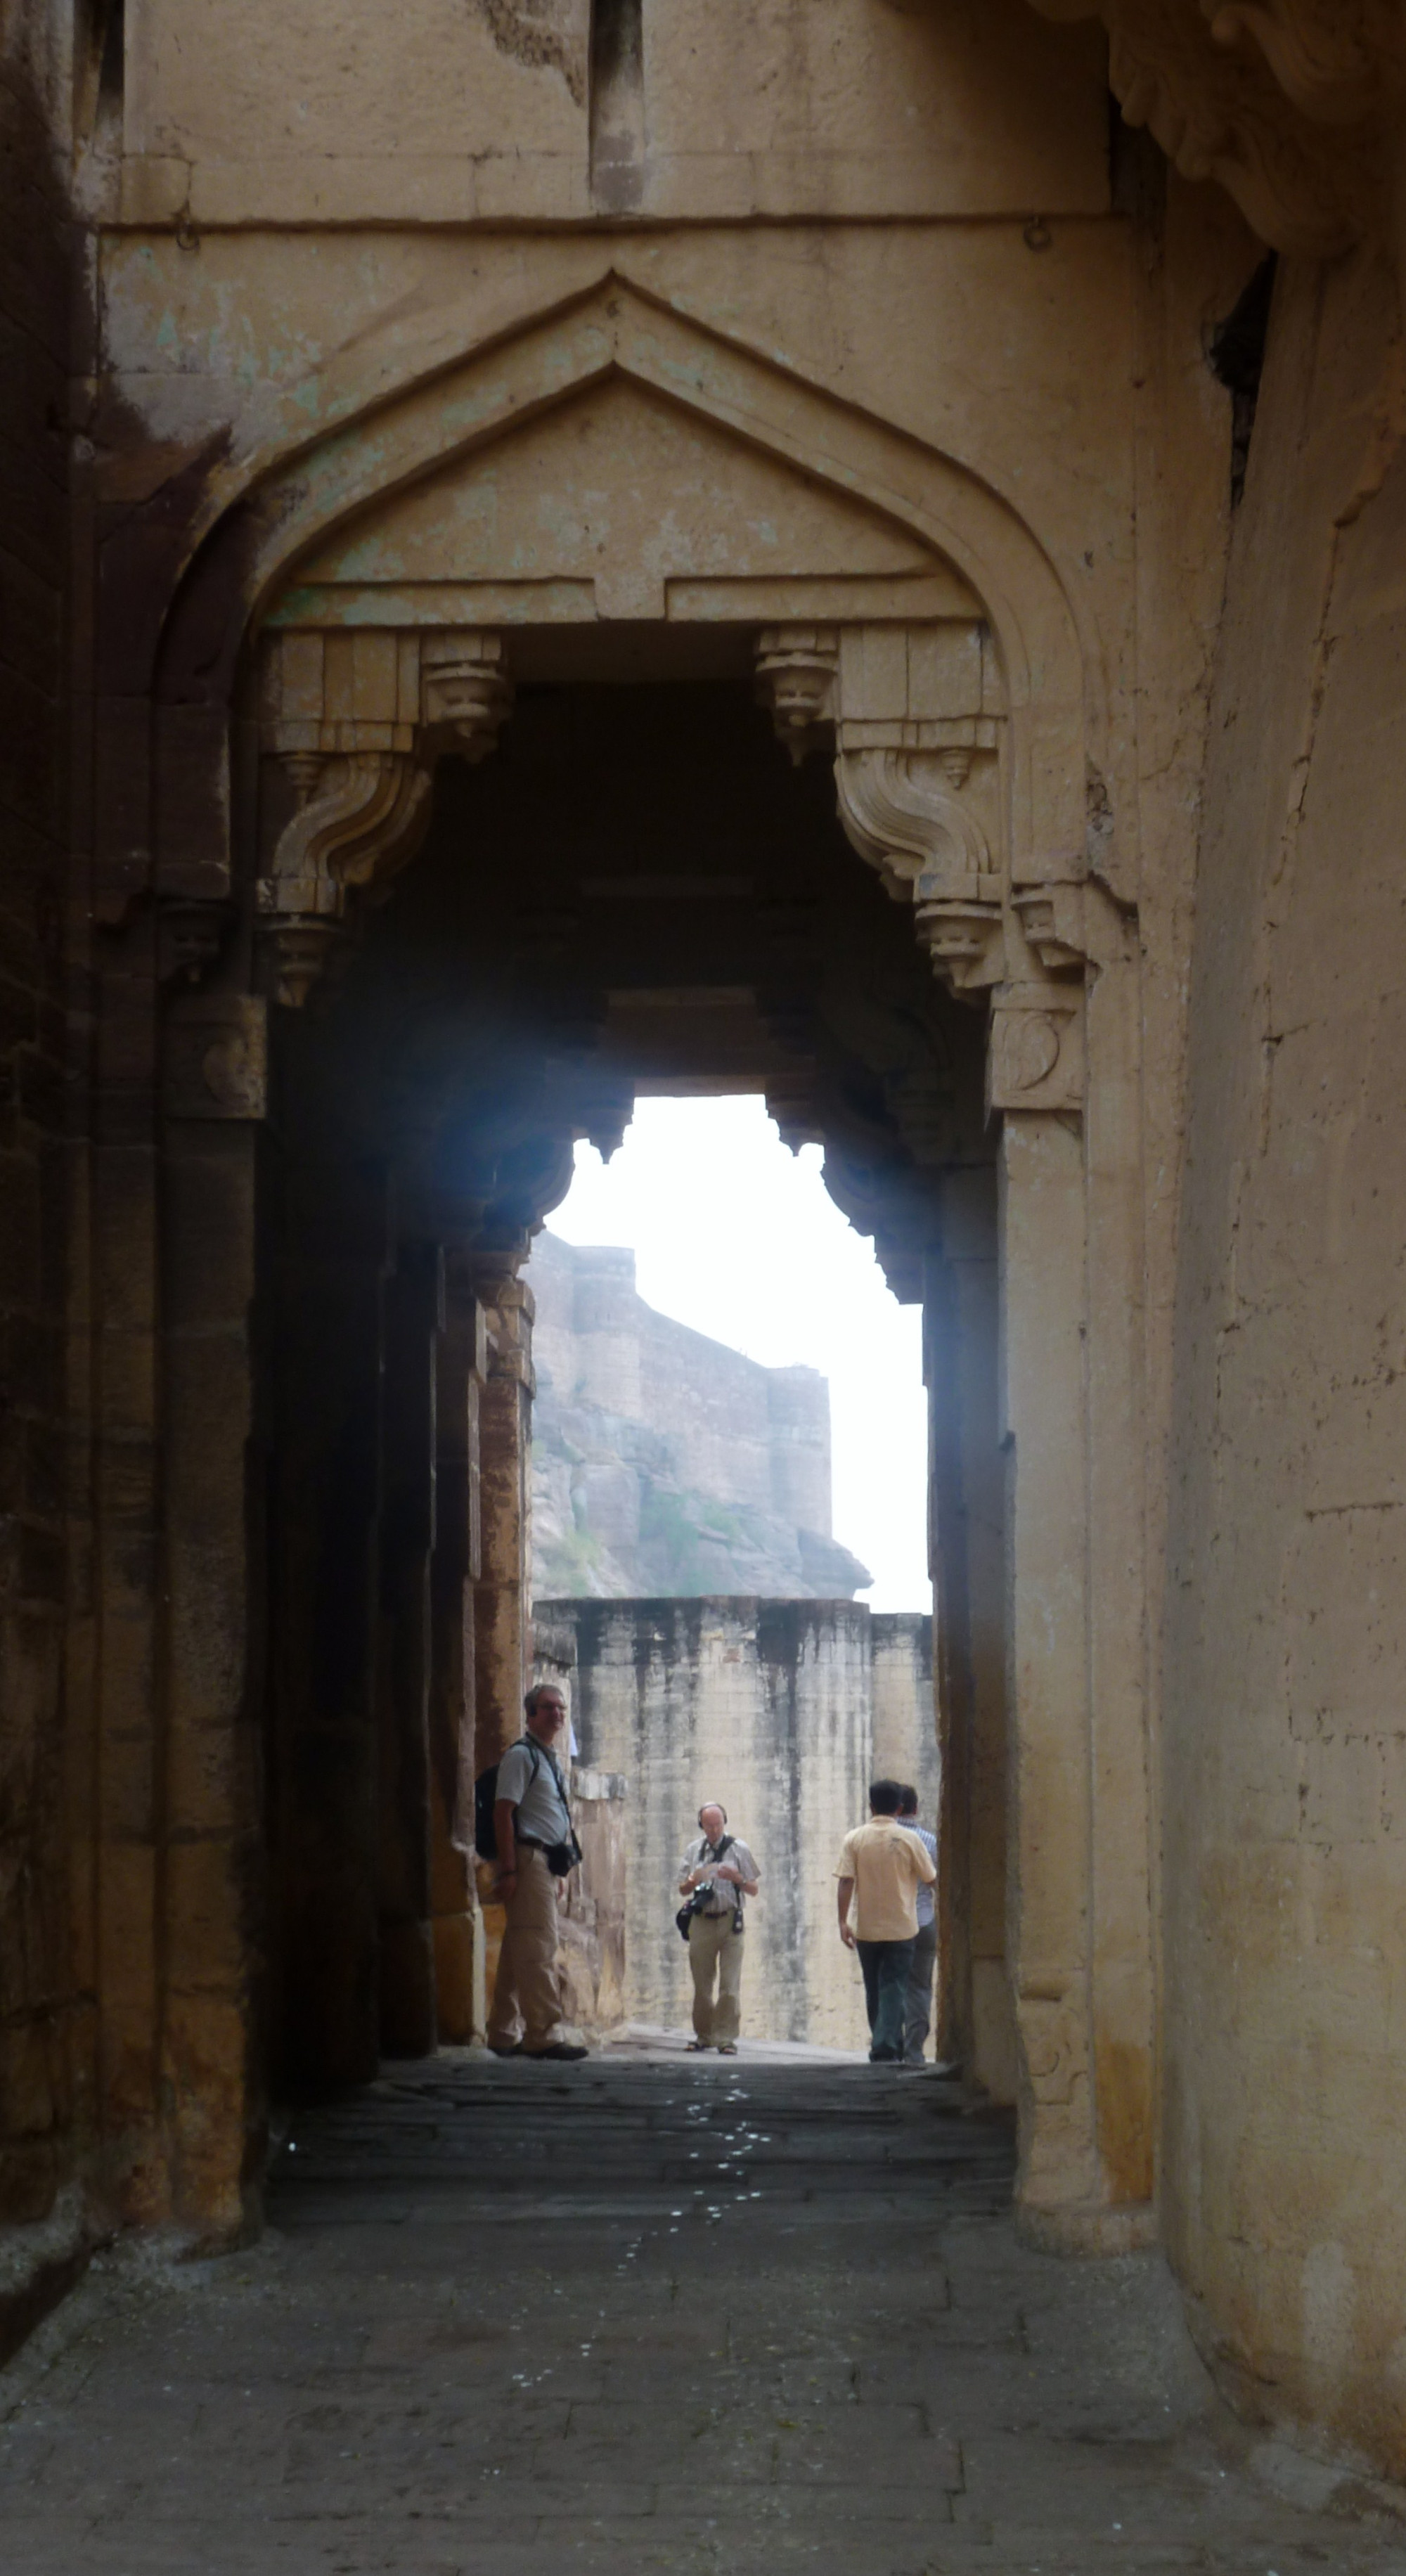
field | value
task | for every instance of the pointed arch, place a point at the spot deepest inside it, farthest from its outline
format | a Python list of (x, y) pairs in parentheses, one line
[(265, 518)]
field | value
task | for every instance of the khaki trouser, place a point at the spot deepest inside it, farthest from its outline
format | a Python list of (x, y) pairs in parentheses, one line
[(527, 1988), (715, 1950)]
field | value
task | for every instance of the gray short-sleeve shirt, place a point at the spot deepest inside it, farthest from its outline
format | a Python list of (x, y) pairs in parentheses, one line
[(729, 1899), (535, 1789)]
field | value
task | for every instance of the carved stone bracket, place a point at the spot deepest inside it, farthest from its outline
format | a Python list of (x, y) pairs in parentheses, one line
[(1071, 926), (465, 692), (356, 721), (917, 716), (363, 816), (904, 812), (797, 667), (1287, 103)]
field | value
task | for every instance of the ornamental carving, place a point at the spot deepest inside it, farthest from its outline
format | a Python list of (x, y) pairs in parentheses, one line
[(1072, 926), (904, 812), (360, 816), (1285, 102), (355, 722), (917, 714), (1035, 1057), (1333, 60), (797, 667), (465, 693)]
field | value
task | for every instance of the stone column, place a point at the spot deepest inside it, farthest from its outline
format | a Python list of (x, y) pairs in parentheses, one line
[(324, 1615), (211, 1695), (502, 1606), (961, 772), (457, 1922), (1044, 1331), (1121, 1966), (414, 1313), (976, 2020), (125, 1784)]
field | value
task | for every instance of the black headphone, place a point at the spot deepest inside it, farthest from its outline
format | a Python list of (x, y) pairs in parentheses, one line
[(713, 1802)]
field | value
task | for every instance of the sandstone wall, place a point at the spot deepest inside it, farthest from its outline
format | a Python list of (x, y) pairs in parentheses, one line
[(1285, 1773), (39, 2034), (593, 1917), (783, 1710), (838, 357)]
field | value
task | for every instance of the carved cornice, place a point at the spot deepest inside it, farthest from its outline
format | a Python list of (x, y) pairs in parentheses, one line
[(356, 722), (918, 754), (1288, 103)]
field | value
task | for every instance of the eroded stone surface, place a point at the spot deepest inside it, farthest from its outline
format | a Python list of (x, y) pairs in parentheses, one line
[(756, 2315)]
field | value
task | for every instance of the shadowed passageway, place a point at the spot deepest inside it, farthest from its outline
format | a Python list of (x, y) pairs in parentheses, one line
[(651, 2314)]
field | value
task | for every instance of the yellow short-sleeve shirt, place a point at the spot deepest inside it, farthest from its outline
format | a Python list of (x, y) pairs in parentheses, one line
[(888, 1866)]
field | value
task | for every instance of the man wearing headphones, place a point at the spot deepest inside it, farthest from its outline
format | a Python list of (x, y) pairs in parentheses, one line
[(719, 1862)]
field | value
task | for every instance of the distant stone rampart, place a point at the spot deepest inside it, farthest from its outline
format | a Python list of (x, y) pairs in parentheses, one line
[(664, 1462), (784, 1710)]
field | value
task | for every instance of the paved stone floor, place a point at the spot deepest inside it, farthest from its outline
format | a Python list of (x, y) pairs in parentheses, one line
[(654, 2312)]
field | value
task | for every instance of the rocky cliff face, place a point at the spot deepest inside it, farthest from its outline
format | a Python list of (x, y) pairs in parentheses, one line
[(664, 1463)]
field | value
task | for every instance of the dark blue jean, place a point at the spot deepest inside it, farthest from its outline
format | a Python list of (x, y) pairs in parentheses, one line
[(885, 1966)]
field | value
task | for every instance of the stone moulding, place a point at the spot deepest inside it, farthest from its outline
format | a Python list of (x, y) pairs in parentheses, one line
[(962, 743), (904, 813), (915, 749), (356, 722), (952, 767), (615, 329), (1288, 103)]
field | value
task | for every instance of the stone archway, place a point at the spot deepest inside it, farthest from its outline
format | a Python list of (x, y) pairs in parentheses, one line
[(615, 468)]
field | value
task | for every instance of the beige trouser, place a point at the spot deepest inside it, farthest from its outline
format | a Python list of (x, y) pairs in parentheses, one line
[(715, 1951), (527, 1988)]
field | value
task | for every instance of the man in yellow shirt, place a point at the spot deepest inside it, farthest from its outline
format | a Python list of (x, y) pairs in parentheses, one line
[(880, 1872)]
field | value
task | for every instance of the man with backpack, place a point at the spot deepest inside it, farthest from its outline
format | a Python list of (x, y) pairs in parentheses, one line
[(535, 1844), (716, 1873)]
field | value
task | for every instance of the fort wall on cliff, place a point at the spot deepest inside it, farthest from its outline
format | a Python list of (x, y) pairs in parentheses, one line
[(662, 1461)]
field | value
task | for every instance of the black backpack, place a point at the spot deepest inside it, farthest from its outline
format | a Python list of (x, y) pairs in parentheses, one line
[(485, 1798), (562, 1858)]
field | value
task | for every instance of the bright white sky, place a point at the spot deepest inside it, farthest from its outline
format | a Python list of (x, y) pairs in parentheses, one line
[(738, 1237)]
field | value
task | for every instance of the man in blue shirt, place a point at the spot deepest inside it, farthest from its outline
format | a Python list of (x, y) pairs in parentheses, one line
[(917, 2018)]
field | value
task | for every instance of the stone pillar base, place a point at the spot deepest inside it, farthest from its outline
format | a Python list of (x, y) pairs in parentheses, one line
[(458, 1959), (1089, 2227)]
